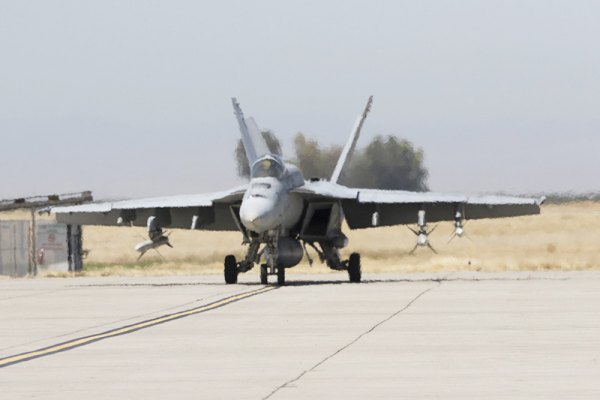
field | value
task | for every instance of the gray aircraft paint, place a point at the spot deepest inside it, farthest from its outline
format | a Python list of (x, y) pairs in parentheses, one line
[(279, 209)]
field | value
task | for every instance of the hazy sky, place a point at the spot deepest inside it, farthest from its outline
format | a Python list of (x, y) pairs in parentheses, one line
[(132, 98)]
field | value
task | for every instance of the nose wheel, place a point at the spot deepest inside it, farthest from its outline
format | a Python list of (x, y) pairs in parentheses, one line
[(264, 275), (281, 276)]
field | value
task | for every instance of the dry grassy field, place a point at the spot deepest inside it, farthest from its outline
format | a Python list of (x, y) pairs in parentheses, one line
[(563, 237)]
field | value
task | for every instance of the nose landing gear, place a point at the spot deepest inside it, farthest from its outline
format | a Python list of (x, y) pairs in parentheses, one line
[(265, 272), (273, 265)]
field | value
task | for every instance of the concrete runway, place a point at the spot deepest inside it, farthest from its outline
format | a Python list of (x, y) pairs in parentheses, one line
[(461, 335)]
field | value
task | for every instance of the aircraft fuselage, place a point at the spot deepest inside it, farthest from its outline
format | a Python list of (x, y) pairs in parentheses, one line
[(268, 203)]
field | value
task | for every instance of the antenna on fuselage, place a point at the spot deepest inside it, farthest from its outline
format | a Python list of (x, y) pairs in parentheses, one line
[(351, 144)]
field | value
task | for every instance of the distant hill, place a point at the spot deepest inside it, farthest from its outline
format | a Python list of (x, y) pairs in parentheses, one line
[(561, 198)]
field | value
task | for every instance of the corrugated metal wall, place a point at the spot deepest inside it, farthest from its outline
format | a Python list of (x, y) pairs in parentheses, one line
[(51, 247), (14, 248)]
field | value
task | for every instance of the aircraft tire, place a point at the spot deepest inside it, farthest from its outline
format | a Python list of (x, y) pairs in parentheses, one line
[(231, 273), (264, 277), (281, 276), (354, 270)]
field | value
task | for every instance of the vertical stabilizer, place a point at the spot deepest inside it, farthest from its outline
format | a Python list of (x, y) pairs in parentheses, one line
[(252, 138), (260, 145), (351, 144)]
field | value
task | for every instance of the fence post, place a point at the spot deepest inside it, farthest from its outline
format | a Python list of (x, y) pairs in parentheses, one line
[(74, 248), (33, 263)]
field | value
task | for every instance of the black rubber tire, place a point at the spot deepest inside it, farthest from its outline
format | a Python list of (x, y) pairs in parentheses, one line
[(354, 270), (281, 276), (264, 277), (231, 272)]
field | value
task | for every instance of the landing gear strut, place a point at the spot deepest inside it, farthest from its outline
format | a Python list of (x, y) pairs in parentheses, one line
[(272, 266), (233, 267), (253, 256), (331, 255)]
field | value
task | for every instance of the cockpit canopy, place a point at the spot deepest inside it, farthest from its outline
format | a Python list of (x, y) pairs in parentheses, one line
[(267, 166)]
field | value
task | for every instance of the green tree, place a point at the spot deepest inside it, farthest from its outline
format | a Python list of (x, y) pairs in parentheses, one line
[(388, 163), (314, 161), (243, 168)]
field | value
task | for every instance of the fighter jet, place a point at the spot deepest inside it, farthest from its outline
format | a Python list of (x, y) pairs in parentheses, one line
[(279, 213)]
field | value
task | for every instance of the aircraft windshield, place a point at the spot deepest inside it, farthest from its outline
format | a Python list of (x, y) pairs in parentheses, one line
[(267, 167)]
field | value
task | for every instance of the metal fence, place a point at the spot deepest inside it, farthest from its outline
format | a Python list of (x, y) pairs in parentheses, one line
[(15, 245), (54, 247)]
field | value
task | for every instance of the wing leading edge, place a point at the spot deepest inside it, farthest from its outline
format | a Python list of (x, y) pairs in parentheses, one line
[(396, 207), (212, 211)]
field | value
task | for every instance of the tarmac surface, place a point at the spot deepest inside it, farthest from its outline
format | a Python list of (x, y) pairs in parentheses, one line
[(450, 336)]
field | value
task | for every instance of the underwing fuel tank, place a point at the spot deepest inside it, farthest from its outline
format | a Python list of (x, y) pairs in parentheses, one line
[(289, 252)]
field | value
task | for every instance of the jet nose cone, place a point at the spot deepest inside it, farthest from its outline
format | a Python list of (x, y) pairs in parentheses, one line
[(253, 216), (256, 215)]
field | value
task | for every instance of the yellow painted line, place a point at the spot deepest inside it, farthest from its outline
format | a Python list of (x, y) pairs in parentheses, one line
[(71, 344)]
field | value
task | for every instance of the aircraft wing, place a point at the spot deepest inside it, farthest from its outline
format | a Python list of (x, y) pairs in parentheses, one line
[(212, 211), (396, 207)]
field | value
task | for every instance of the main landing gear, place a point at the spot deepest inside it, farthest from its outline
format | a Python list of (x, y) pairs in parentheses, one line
[(354, 272), (231, 272), (276, 262), (330, 254)]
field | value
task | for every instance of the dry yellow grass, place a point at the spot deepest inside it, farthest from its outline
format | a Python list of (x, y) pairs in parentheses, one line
[(563, 237)]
